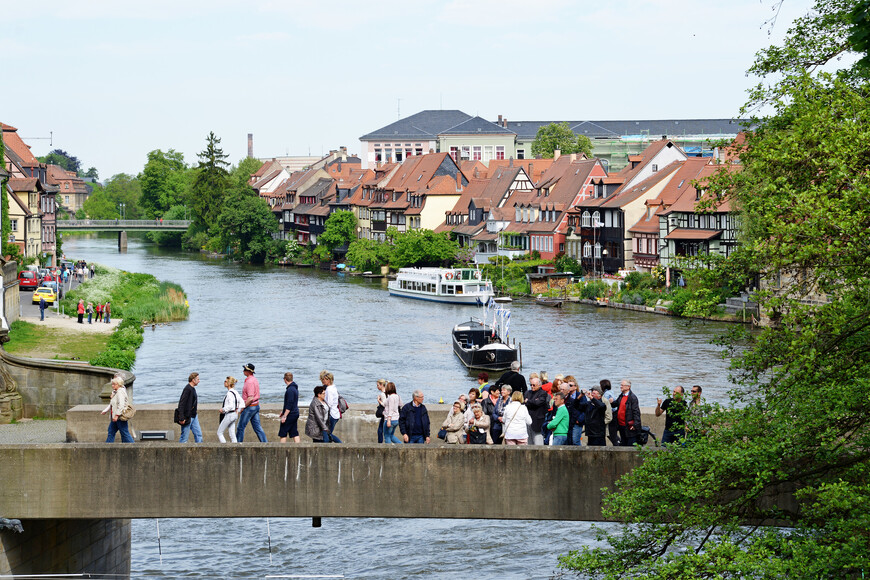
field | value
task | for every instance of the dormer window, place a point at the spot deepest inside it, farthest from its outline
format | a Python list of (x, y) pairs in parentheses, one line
[(655, 167), (517, 216)]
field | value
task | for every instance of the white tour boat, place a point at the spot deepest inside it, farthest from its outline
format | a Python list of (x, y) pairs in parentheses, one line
[(453, 285)]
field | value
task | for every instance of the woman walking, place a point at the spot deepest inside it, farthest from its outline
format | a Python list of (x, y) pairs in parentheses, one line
[(382, 404), (391, 414), (116, 406), (232, 406)]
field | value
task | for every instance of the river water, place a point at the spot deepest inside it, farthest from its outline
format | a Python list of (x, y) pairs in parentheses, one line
[(305, 321)]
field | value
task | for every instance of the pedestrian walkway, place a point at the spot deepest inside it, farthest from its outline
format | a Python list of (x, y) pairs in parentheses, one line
[(30, 431)]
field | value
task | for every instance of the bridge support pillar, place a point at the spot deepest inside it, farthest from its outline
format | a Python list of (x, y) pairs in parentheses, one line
[(122, 241), (55, 546)]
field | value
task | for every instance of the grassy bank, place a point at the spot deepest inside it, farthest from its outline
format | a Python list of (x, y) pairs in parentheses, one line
[(35, 341), (137, 299)]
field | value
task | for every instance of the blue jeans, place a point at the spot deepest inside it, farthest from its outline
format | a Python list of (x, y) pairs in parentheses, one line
[(390, 433), (673, 436), (558, 440), (416, 439), (329, 437), (192, 425), (42, 314), (108, 316), (576, 434), (252, 414), (114, 427)]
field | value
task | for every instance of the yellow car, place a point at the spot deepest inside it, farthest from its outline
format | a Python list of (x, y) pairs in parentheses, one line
[(44, 292)]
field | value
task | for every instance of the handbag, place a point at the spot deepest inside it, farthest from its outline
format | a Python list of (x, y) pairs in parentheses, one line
[(442, 434), (127, 413), (379, 412), (177, 418)]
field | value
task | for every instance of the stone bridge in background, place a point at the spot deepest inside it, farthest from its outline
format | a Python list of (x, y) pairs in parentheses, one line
[(123, 226)]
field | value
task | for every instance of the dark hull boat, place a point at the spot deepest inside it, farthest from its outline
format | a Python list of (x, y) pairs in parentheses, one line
[(477, 347)]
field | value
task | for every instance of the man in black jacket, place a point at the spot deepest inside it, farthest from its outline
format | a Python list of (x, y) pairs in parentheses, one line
[(596, 430), (187, 406), (513, 378), (414, 420), (627, 415), (537, 403)]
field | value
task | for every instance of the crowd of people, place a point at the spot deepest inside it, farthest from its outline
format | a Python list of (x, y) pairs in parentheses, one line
[(509, 411)]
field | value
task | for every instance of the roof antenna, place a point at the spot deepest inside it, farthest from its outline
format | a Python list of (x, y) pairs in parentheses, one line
[(398, 108), (50, 138)]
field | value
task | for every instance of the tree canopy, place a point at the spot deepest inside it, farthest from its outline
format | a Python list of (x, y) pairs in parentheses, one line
[(63, 159), (246, 224), (559, 136), (421, 248), (165, 182), (789, 428), (104, 201)]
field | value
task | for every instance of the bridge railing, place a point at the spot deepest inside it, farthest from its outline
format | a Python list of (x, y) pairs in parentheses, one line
[(76, 223)]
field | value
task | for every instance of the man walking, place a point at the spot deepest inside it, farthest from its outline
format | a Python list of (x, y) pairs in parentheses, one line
[(414, 420), (42, 305), (187, 407), (251, 412), (627, 415), (675, 419)]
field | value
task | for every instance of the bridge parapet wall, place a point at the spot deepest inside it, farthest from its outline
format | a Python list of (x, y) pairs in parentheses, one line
[(172, 480)]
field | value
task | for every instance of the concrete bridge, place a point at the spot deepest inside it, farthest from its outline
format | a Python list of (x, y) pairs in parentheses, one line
[(75, 500), (122, 227)]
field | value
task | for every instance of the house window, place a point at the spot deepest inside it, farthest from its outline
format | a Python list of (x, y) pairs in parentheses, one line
[(521, 153), (454, 153), (562, 248), (66, 185), (587, 250), (379, 155), (388, 155), (66, 199), (14, 224), (587, 220), (418, 151), (597, 250), (487, 152), (466, 152), (655, 167), (476, 153), (596, 220), (398, 155), (499, 151)]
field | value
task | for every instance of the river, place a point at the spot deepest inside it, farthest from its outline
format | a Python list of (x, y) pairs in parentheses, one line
[(305, 321)]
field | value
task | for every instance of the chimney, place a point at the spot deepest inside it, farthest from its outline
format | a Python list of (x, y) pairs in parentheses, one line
[(573, 157), (499, 119), (431, 151), (531, 167), (476, 173), (458, 181), (556, 154), (250, 144), (511, 162), (339, 165), (505, 123)]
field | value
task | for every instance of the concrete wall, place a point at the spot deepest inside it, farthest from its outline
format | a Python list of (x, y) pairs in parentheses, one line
[(359, 425), (11, 294), (399, 481), (49, 388), (67, 547)]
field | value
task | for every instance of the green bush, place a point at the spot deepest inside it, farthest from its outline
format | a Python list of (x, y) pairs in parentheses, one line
[(115, 358), (594, 289)]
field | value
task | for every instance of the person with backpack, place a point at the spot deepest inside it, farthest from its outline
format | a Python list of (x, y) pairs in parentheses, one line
[(230, 409)]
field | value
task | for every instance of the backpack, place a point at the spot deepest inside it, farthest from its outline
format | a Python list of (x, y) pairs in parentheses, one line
[(645, 434)]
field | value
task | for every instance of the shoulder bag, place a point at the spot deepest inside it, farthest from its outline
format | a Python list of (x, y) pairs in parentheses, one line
[(127, 413)]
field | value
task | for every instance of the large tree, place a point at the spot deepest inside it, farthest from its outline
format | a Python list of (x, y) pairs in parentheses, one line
[(421, 248), (210, 183), (790, 429), (559, 136), (246, 224), (165, 182), (339, 230)]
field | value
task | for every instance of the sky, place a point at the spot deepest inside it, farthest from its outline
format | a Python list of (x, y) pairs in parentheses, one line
[(111, 80)]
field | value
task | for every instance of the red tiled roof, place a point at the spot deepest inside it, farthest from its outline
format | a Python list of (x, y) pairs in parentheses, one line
[(19, 147), (23, 183)]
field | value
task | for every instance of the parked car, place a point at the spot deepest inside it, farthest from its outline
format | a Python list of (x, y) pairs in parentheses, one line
[(44, 292), (49, 284), (28, 280)]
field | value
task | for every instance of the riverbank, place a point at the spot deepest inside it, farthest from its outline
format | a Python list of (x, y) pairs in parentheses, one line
[(58, 337)]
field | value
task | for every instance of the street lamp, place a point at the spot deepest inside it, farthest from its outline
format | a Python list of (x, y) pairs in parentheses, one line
[(121, 208)]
